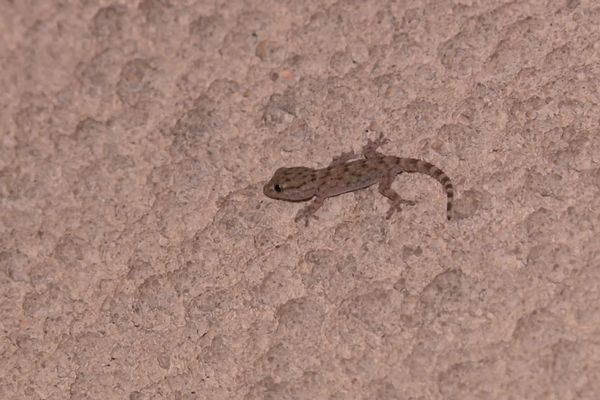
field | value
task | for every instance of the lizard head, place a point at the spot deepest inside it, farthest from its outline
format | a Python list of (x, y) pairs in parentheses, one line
[(291, 184)]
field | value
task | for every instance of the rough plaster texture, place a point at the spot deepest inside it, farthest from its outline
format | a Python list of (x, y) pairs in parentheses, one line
[(140, 260)]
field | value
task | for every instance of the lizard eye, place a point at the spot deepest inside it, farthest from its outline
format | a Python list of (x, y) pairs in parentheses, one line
[(278, 188)]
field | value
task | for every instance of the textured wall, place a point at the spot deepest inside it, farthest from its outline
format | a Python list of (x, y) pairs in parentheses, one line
[(140, 260)]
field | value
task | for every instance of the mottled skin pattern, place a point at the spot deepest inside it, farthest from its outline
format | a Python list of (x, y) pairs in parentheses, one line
[(343, 175)]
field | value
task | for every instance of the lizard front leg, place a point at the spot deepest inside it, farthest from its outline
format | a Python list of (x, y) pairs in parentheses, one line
[(343, 158), (309, 211)]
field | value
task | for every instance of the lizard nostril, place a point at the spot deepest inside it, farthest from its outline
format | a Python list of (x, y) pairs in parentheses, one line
[(278, 188)]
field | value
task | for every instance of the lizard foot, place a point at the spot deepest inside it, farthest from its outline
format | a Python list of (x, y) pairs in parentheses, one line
[(306, 214), (397, 206), (370, 149)]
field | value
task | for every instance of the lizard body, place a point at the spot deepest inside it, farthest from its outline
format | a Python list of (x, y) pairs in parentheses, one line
[(343, 175)]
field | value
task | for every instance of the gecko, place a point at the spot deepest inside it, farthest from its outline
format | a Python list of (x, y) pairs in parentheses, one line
[(343, 175)]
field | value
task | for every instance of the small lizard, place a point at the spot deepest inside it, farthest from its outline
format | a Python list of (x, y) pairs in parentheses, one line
[(343, 175)]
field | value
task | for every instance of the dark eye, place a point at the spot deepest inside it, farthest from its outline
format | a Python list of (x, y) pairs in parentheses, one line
[(278, 188)]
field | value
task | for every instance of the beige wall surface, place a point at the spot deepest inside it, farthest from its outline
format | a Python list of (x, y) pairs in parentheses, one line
[(139, 258)]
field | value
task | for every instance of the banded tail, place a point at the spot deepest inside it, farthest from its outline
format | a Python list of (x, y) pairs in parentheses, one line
[(423, 167)]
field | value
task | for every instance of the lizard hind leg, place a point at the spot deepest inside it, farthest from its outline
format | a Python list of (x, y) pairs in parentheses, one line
[(370, 149), (396, 202)]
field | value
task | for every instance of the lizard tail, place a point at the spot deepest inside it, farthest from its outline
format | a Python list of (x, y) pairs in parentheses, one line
[(423, 167)]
